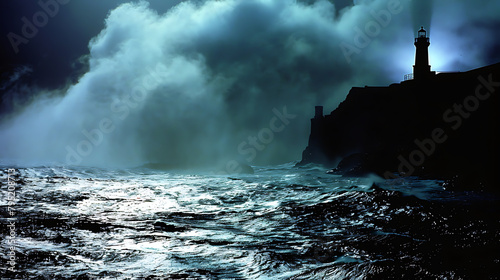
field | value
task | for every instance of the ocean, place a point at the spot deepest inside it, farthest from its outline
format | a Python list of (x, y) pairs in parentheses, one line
[(282, 222)]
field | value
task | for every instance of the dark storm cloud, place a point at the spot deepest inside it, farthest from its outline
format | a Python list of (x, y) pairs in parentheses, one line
[(464, 34), (196, 84), (58, 44), (16, 74)]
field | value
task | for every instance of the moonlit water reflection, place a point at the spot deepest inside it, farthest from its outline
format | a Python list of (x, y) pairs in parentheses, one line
[(281, 222)]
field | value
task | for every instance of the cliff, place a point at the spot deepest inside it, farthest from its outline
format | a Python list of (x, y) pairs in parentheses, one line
[(444, 126)]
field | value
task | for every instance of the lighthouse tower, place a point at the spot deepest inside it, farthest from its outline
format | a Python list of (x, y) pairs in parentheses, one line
[(422, 69)]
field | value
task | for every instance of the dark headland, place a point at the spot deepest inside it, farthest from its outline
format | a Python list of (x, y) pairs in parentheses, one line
[(432, 125)]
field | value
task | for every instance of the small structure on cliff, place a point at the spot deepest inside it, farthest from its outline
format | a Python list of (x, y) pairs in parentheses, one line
[(443, 126)]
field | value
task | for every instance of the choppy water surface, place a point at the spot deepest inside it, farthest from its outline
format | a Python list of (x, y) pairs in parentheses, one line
[(279, 223)]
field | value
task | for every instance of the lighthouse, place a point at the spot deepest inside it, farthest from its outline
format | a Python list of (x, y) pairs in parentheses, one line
[(422, 69)]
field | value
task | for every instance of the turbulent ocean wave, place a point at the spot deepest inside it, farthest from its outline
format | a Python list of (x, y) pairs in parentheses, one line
[(281, 222)]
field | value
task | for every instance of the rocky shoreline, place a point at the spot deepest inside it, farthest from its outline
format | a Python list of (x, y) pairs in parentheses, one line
[(445, 126)]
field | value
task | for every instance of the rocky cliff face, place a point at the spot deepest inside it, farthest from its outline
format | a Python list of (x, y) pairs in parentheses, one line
[(444, 127)]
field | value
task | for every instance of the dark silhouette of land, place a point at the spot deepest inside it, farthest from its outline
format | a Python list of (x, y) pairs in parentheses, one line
[(433, 125)]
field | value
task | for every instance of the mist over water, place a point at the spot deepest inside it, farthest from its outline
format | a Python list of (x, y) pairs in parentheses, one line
[(207, 83)]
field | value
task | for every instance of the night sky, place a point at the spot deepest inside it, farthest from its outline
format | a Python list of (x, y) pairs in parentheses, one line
[(190, 83)]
